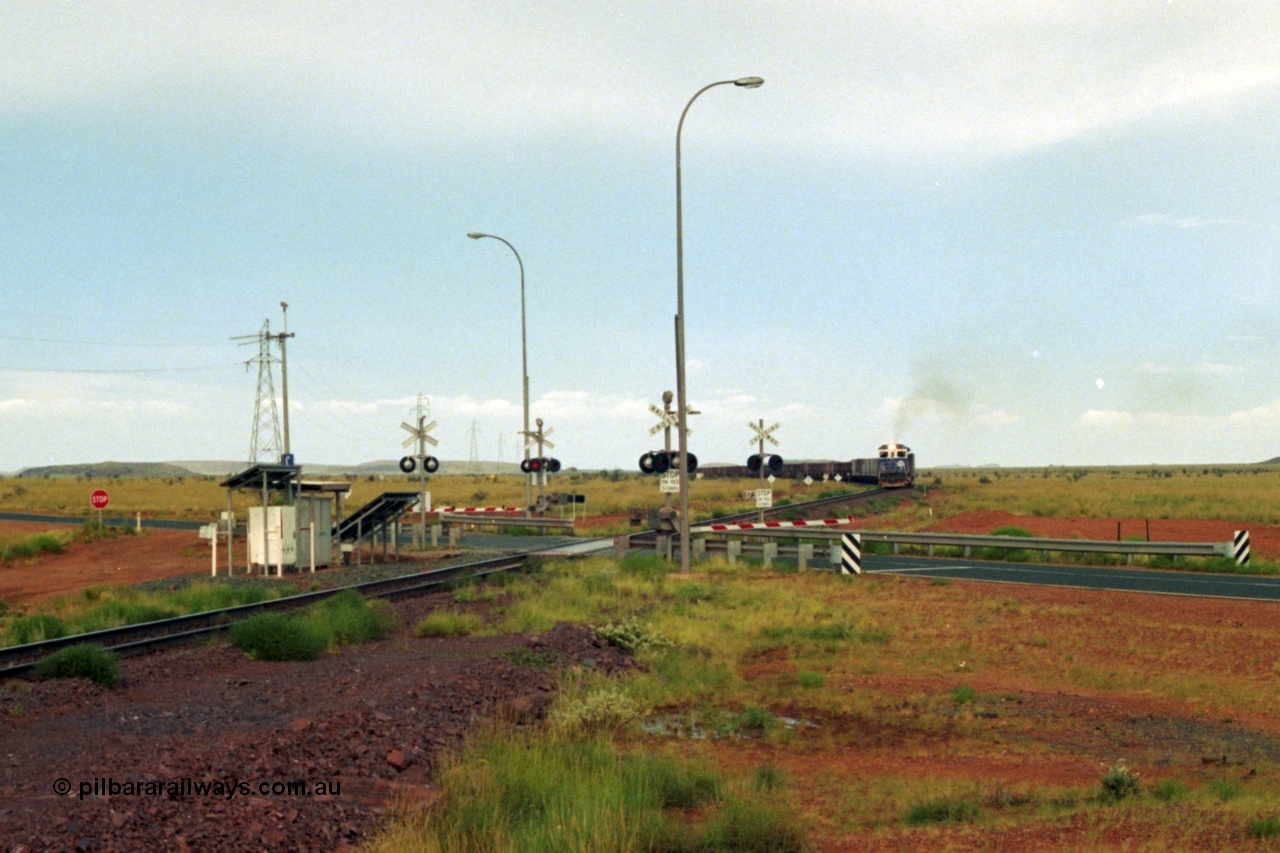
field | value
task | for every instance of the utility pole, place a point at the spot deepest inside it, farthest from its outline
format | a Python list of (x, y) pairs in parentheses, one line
[(284, 373)]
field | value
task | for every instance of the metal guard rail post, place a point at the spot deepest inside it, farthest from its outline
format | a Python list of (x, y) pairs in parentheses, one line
[(1129, 548), (503, 521)]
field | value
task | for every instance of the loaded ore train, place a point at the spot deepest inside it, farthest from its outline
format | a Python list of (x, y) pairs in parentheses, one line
[(893, 466)]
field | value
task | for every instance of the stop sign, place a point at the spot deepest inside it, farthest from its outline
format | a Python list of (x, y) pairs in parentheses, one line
[(99, 499)]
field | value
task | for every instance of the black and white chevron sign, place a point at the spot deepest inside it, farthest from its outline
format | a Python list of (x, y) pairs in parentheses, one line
[(850, 554)]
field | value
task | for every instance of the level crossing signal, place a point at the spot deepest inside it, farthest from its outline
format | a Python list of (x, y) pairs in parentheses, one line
[(755, 462), (538, 464), (420, 435), (430, 464), (662, 461)]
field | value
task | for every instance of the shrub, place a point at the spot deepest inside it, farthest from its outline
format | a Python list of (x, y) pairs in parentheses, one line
[(631, 636), (84, 660), (768, 777), (1224, 789), (446, 623), (692, 593), (604, 709), (681, 786), (810, 680), (1119, 782), (114, 613), (274, 636), (348, 617), (943, 810), (1012, 531), (754, 718), (964, 694), (1168, 790), (1265, 827), (754, 826), (34, 628), (644, 565), (201, 597), (46, 543)]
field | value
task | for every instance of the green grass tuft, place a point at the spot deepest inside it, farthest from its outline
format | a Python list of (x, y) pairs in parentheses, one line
[(275, 636), (34, 629), (1168, 790), (84, 660), (349, 618), (943, 810), (1265, 827), (446, 623)]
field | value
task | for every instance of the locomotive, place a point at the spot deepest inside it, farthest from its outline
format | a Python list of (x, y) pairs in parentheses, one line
[(893, 467)]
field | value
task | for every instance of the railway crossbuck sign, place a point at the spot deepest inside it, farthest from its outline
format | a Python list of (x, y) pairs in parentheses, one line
[(762, 435), (669, 420), (538, 437), (419, 434)]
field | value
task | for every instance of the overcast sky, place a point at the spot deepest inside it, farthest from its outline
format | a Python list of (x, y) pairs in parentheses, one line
[(1029, 233)]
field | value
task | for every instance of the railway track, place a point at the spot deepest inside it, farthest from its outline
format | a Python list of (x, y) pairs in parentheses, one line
[(149, 636)]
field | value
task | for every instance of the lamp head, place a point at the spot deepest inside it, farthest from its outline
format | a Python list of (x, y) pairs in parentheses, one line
[(749, 82), (476, 235)]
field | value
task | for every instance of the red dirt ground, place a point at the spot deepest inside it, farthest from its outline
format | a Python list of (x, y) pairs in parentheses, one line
[(1264, 540), (119, 561), (122, 560), (1072, 729)]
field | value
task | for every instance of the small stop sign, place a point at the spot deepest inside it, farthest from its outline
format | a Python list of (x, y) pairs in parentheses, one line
[(99, 499)]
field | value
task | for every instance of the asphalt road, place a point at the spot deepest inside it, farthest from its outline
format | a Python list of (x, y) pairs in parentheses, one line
[(107, 520), (1084, 577)]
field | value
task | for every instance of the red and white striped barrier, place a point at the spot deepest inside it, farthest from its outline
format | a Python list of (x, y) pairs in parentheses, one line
[(478, 510), (813, 522)]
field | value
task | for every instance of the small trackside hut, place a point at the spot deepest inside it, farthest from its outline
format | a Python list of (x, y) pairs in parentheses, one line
[(296, 532)]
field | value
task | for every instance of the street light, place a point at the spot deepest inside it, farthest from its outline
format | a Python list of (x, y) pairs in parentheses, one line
[(681, 398), (524, 361)]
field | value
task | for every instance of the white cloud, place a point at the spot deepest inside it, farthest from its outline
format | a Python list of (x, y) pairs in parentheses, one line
[(1108, 418), (1256, 418), (986, 77), (1164, 220), (995, 417), (1204, 368)]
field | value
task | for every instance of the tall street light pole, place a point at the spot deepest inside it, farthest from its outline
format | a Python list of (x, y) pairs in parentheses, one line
[(284, 375), (681, 397), (524, 360)]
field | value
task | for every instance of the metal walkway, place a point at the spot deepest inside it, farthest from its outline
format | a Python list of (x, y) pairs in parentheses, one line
[(379, 512)]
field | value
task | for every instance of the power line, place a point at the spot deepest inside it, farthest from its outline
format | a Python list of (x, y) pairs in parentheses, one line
[(119, 370), (104, 343)]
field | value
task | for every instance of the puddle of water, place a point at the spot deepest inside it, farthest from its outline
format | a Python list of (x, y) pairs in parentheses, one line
[(689, 726)]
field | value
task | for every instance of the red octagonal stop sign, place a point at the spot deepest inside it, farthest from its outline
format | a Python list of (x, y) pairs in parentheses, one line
[(99, 499)]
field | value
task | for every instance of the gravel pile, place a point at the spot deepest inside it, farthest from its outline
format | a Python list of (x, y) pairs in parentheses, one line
[(195, 748)]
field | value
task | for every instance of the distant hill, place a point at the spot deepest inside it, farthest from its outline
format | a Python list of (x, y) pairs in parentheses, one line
[(223, 468), (109, 469)]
